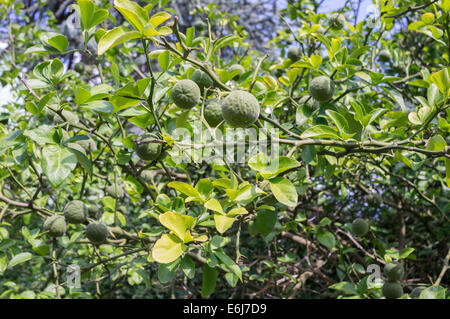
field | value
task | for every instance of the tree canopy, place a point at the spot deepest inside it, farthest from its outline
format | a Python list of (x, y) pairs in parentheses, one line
[(224, 149)]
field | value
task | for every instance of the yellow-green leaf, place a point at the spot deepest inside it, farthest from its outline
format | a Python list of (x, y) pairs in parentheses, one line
[(115, 37), (214, 205), (223, 222), (167, 249), (178, 224)]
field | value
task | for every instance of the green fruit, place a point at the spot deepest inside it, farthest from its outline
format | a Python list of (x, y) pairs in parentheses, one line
[(385, 55), (147, 175), (96, 232), (415, 293), (93, 209), (360, 227), (240, 109), (213, 112), (294, 54), (392, 290), (337, 21), (79, 67), (55, 225), (236, 70), (148, 151), (115, 191), (321, 88), (77, 147), (394, 270), (75, 212), (186, 94), (88, 145), (202, 79), (309, 101)]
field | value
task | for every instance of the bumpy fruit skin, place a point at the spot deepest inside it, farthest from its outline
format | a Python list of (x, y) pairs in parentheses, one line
[(186, 94), (235, 67), (55, 225), (202, 79), (394, 271), (360, 227), (213, 112), (392, 290), (96, 232), (415, 293), (337, 21), (385, 55), (79, 67), (75, 212), (321, 88), (148, 151), (115, 191), (88, 145), (294, 54), (309, 101), (240, 109), (93, 209)]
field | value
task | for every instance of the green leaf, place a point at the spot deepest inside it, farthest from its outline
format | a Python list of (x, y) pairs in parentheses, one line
[(186, 189), (164, 60), (133, 13), (167, 249), (265, 221), (436, 143), (346, 287), (447, 171), (284, 191), (115, 37), (339, 120), (320, 131), (209, 280), (100, 106), (226, 40), (42, 134), (179, 224), (19, 259), (271, 167), (228, 262), (433, 292), (188, 266), (441, 79), (326, 238), (57, 163), (59, 42), (214, 205), (166, 272)]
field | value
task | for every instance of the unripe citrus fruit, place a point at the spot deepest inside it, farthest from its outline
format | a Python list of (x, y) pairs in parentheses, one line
[(186, 94), (145, 150), (294, 54), (240, 109), (55, 225), (96, 232), (394, 270), (75, 212), (115, 191), (337, 21), (213, 112), (360, 227), (392, 290), (202, 79), (321, 88), (79, 67)]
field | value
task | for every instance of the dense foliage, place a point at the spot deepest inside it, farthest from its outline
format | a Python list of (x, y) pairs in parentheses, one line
[(155, 153)]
